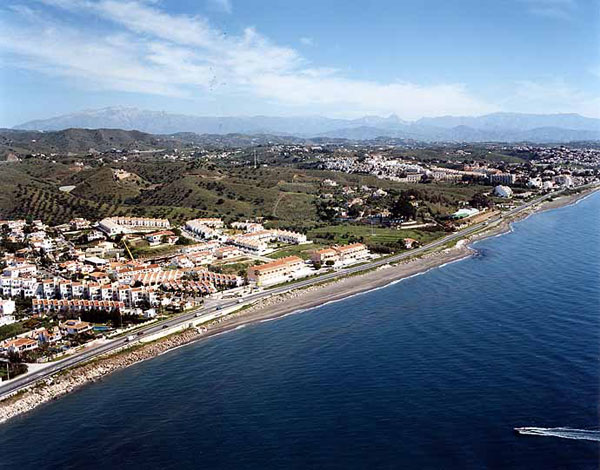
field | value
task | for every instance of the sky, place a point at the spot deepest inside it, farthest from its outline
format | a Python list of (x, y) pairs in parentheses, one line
[(337, 58)]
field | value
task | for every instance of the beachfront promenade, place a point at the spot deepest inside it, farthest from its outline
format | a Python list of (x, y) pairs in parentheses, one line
[(222, 307)]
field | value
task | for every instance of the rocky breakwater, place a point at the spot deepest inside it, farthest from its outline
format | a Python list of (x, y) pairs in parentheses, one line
[(63, 383)]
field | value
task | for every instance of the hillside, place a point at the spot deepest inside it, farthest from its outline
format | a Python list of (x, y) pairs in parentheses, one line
[(284, 197), (80, 140)]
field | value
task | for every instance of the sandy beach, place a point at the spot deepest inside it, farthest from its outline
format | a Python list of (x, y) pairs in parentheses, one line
[(268, 308)]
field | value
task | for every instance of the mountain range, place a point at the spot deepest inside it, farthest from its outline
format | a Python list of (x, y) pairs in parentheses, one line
[(496, 127)]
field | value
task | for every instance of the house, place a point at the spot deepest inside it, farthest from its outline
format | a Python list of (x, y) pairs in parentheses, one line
[(7, 311), (44, 335), (99, 277), (534, 183), (247, 226), (19, 345), (250, 245), (7, 307), (75, 327), (409, 243), (227, 252), (157, 237), (197, 227), (79, 223), (287, 236)]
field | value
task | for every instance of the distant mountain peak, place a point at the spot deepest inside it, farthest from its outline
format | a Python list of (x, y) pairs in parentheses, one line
[(499, 126)]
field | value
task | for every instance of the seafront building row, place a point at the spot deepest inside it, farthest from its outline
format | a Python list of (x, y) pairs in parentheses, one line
[(85, 282), (70, 285)]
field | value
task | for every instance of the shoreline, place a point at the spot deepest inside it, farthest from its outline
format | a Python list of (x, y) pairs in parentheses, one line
[(295, 301)]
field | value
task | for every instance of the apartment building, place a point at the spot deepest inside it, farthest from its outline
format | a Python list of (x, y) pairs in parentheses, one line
[(116, 225), (277, 271), (19, 286), (212, 222), (345, 254), (503, 178)]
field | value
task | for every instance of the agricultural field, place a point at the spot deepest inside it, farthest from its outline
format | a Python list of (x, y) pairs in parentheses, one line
[(284, 197)]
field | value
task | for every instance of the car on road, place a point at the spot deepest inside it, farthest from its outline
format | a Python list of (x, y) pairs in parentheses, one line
[(165, 326)]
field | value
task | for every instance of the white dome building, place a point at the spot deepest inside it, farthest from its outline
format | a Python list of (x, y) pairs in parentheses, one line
[(503, 191)]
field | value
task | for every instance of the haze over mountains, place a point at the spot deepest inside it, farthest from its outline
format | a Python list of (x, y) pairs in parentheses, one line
[(500, 127)]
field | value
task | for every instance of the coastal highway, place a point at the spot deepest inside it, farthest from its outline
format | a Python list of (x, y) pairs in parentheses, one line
[(212, 310)]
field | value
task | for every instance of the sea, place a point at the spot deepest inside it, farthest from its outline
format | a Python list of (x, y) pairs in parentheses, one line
[(432, 372)]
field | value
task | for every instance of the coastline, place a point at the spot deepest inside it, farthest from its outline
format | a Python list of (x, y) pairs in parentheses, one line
[(264, 310)]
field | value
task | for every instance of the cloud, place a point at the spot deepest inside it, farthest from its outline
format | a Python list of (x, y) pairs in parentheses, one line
[(551, 96), (220, 5), (555, 9), (307, 41), (134, 46)]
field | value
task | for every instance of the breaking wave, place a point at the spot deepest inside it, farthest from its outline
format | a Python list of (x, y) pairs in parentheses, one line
[(565, 433)]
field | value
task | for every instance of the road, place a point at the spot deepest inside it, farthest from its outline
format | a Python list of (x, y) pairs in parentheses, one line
[(211, 309)]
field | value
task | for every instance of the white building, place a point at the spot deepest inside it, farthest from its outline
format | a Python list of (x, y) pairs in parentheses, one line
[(287, 236), (503, 179), (564, 180), (7, 311), (198, 227), (115, 225), (503, 191)]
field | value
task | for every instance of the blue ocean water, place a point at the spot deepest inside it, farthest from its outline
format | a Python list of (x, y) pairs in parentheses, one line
[(431, 372)]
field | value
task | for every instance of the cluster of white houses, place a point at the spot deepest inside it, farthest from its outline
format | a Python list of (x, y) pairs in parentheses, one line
[(36, 338), (144, 287), (255, 239), (101, 284)]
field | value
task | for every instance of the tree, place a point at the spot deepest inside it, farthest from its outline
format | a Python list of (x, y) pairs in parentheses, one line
[(402, 207), (356, 210), (480, 200)]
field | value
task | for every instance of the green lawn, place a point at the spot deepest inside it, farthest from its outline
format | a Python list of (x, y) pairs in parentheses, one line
[(303, 251), (141, 251), (343, 234)]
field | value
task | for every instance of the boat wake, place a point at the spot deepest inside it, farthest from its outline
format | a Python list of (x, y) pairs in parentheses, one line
[(565, 433)]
